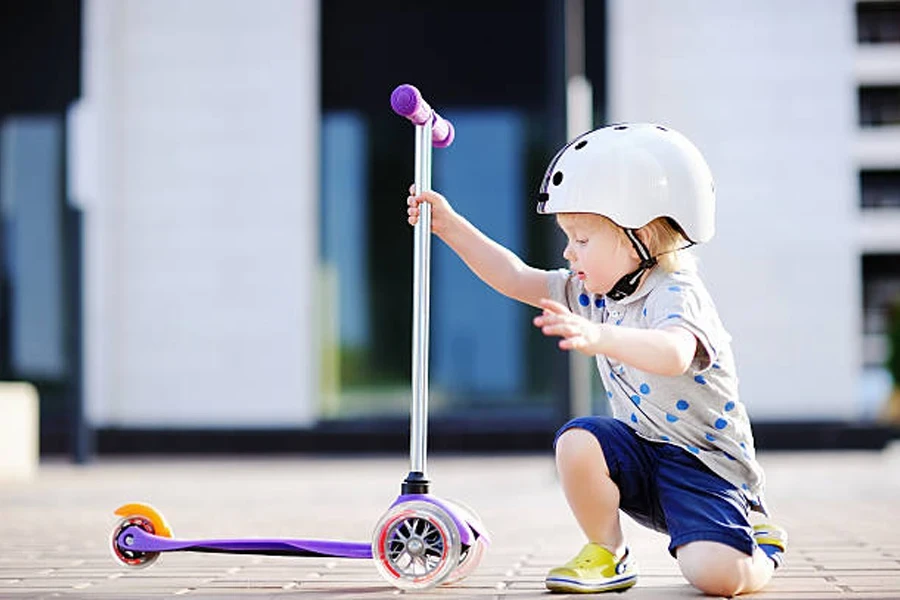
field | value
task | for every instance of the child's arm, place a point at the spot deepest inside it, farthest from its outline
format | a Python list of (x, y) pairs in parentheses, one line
[(668, 351), (496, 265)]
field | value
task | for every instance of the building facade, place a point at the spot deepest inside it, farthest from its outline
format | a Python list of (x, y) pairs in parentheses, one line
[(245, 262)]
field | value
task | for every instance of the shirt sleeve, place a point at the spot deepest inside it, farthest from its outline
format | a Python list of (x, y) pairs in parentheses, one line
[(687, 305), (567, 289)]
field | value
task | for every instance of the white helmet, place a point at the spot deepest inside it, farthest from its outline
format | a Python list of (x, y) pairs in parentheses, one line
[(633, 173)]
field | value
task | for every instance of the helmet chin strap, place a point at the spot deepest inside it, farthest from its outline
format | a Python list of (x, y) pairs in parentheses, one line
[(628, 284)]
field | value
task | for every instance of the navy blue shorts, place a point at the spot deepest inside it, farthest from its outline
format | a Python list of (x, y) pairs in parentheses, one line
[(667, 489)]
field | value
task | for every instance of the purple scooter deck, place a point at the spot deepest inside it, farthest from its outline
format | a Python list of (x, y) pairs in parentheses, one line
[(142, 541)]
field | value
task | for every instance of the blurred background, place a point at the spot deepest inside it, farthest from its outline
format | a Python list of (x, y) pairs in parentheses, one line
[(204, 243)]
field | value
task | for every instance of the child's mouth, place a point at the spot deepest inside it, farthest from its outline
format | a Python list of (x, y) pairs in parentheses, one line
[(581, 275)]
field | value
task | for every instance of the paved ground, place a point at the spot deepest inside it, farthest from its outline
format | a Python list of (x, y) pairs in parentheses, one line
[(842, 511)]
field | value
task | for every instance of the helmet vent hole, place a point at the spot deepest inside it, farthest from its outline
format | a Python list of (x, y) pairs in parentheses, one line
[(557, 178), (581, 144), (661, 128), (620, 127)]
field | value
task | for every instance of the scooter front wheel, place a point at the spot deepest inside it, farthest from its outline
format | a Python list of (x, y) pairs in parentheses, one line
[(416, 545)]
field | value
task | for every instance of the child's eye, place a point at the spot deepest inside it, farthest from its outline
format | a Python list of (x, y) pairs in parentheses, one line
[(582, 242)]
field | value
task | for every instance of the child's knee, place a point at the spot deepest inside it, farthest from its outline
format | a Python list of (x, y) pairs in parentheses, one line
[(714, 569), (576, 448)]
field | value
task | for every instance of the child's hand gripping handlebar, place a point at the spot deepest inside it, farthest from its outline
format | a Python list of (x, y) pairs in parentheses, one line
[(407, 101)]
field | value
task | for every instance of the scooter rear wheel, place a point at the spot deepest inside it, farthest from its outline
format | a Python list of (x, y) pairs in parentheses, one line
[(147, 518), (416, 545), (133, 559)]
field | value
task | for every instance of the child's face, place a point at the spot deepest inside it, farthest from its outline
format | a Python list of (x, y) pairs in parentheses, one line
[(597, 251)]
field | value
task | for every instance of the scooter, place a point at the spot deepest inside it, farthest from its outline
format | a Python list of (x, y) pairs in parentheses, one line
[(421, 541)]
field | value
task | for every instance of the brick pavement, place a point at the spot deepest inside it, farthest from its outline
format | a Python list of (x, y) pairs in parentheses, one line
[(842, 511)]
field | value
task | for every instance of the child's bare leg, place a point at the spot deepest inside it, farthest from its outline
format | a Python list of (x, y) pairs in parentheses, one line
[(720, 570), (591, 493)]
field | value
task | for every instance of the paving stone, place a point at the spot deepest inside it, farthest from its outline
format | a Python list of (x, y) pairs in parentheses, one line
[(844, 543)]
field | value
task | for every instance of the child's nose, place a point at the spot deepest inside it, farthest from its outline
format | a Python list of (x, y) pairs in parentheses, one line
[(568, 254)]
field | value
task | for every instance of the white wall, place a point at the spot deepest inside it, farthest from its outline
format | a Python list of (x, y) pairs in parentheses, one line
[(195, 158), (766, 90)]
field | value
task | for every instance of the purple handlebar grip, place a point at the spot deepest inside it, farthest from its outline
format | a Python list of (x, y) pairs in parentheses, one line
[(407, 102)]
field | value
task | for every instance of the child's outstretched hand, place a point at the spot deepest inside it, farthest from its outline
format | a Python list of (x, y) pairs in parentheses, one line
[(577, 333), (441, 211)]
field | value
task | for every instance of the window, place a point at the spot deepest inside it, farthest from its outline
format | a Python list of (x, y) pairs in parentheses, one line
[(881, 288), (31, 216), (879, 105), (877, 22), (880, 188), (485, 357)]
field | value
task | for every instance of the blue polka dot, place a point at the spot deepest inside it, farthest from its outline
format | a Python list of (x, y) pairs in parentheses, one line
[(599, 302), (633, 418), (619, 322), (721, 423), (674, 288), (729, 406), (716, 366), (710, 437), (664, 438), (645, 389), (636, 399), (671, 418), (674, 316), (745, 486), (700, 379), (743, 445), (612, 374), (678, 272), (645, 312), (608, 394), (694, 449), (584, 300), (682, 405)]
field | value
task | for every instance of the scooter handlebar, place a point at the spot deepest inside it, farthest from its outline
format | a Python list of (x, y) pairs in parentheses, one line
[(407, 102)]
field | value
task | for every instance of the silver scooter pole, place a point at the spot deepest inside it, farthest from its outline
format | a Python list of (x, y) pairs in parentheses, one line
[(431, 130), (418, 432)]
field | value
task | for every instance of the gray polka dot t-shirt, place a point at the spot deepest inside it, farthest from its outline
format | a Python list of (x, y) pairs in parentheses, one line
[(700, 410)]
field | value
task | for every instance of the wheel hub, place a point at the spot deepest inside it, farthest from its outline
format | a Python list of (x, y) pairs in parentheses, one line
[(415, 546)]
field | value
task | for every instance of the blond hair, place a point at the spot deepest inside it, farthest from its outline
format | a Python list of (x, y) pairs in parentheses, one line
[(591, 221), (665, 241)]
